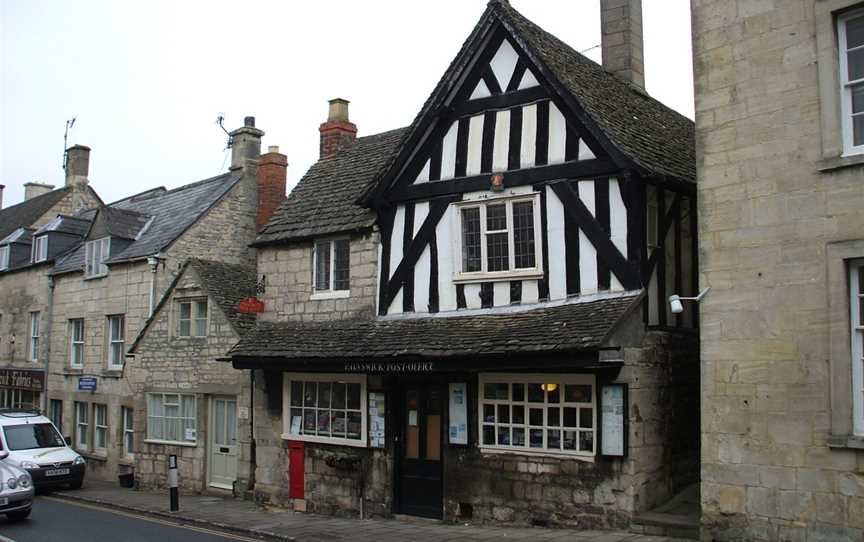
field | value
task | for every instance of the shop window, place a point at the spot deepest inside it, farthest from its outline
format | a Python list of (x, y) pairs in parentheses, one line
[(192, 318), (82, 425), (171, 417), (325, 408), (128, 416), (498, 238), (332, 262), (100, 429), (116, 341), (543, 414), (76, 342)]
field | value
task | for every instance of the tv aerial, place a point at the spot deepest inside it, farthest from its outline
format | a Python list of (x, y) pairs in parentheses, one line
[(69, 124), (220, 120)]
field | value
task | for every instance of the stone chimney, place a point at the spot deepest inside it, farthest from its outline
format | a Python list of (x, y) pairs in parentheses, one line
[(621, 31), (2, 186), (77, 165), (338, 130), (32, 190), (272, 173), (245, 143)]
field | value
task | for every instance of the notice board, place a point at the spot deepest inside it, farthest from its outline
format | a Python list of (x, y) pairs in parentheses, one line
[(458, 430), (613, 426), (377, 411)]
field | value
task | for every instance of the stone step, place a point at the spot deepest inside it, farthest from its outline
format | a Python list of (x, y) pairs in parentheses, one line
[(664, 524)]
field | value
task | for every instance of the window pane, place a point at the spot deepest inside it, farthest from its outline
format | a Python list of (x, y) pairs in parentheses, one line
[(309, 421), (185, 328), (471, 253), (497, 255), (518, 392), (189, 406), (489, 434), (296, 393), (855, 32), (324, 394), (495, 391), (855, 60), (523, 234), (354, 424), (553, 439), (503, 436), (858, 130), (553, 417), (200, 328), (489, 413), (554, 393), (322, 265), (341, 267), (518, 436), (338, 424), (219, 423), (577, 393), (201, 309), (503, 414), (309, 397), (861, 280), (570, 438), (185, 310), (570, 417), (323, 422), (518, 414), (496, 217), (354, 396), (536, 438), (339, 390), (535, 416), (535, 393), (586, 441)]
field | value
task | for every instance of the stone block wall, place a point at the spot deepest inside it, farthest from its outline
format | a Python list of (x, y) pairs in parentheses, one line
[(288, 272), (24, 291), (774, 196)]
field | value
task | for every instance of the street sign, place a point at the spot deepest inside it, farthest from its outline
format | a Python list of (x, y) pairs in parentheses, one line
[(87, 383)]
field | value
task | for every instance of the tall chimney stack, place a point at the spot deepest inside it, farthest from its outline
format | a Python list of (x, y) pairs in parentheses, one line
[(338, 130), (621, 30), (34, 189), (272, 174), (245, 143), (77, 165)]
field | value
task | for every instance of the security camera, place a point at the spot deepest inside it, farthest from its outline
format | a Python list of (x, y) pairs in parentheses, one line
[(675, 303)]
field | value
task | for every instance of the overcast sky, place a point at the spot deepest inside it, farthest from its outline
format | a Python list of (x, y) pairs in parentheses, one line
[(147, 79)]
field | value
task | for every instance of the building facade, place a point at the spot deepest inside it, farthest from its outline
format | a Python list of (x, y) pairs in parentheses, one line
[(467, 319), (779, 145)]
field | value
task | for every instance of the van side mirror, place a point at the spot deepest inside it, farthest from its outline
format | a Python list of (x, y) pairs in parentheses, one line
[(3, 454)]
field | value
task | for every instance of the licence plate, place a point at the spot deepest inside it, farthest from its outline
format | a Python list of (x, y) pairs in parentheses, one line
[(4, 501), (56, 472)]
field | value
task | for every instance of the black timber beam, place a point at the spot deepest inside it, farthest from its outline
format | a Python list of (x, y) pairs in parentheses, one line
[(500, 101)]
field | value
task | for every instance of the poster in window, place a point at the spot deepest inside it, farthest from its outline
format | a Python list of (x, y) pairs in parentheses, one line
[(376, 419), (458, 430), (612, 401)]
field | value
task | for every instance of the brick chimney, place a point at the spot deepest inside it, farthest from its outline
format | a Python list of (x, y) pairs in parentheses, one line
[(272, 172), (245, 143), (338, 130), (621, 30), (32, 190), (77, 165)]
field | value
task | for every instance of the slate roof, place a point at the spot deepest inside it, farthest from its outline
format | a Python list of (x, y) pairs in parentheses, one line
[(27, 212), (571, 327), (72, 225), (20, 235), (324, 201), (154, 222), (226, 284)]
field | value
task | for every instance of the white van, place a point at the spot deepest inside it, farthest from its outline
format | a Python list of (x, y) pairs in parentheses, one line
[(35, 445)]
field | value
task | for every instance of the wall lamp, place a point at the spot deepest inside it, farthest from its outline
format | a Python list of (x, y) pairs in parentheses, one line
[(675, 300)]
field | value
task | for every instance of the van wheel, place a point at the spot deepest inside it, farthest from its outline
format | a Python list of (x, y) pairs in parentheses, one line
[(77, 484), (18, 516)]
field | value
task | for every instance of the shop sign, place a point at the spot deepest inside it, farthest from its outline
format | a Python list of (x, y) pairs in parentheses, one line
[(389, 367), (250, 305), (22, 379), (86, 383)]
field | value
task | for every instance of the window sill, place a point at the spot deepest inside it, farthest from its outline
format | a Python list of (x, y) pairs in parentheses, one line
[(467, 278), (325, 440), (827, 165), (96, 456), (195, 338), (171, 443), (851, 442), (335, 294), (95, 277), (113, 372), (73, 371), (126, 461), (537, 453)]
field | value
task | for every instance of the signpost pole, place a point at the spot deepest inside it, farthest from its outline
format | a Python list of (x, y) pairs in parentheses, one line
[(172, 483)]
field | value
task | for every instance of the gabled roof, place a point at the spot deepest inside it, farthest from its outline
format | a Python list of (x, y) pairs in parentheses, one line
[(154, 222), (639, 128), (225, 284), (27, 212), (578, 326), (324, 201)]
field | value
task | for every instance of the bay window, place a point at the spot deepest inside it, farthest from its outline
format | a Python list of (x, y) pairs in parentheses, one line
[(542, 414), (325, 408)]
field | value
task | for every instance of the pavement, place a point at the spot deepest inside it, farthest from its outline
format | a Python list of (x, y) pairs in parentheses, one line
[(246, 518)]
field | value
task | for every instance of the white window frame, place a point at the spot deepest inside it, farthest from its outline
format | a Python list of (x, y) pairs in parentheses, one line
[(460, 276), (35, 331), (100, 427), (76, 344), (543, 379), (4, 257), (39, 251), (112, 340), (127, 415), (82, 425), (849, 147), (287, 378), (193, 417), (856, 300), (93, 268), (330, 292), (194, 320)]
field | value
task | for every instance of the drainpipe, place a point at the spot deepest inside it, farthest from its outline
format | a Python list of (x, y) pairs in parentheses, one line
[(153, 262), (253, 461), (47, 349)]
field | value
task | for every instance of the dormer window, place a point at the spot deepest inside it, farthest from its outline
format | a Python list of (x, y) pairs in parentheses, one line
[(40, 249), (4, 258), (332, 261), (95, 254)]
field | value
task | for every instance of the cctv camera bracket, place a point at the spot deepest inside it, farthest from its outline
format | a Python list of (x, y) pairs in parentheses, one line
[(698, 298)]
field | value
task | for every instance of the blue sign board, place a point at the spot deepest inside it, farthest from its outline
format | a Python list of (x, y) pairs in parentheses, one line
[(87, 383)]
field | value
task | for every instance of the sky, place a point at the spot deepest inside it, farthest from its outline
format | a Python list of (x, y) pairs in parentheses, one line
[(146, 80)]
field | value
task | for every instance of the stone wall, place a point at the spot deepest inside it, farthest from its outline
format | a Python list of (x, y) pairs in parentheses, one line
[(288, 272), (774, 196), (167, 363), (24, 291)]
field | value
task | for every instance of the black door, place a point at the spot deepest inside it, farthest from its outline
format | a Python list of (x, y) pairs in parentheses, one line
[(419, 452)]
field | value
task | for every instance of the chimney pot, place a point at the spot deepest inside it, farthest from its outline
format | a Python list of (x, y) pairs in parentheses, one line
[(77, 165), (249, 121), (35, 189), (245, 143), (621, 31), (338, 130), (273, 148), (2, 186)]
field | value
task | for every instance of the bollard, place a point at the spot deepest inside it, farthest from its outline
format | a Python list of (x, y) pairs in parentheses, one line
[(172, 483)]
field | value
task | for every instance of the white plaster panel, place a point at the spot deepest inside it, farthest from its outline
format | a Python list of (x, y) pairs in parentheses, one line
[(587, 252), (503, 64), (472, 296), (529, 136), (475, 144), (448, 153), (557, 249), (502, 294), (423, 266), (502, 141), (557, 134), (445, 240), (617, 225), (480, 91)]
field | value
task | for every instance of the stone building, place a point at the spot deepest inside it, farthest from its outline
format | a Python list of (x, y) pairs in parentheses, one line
[(175, 358), (781, 192), (33, 234), (466, 318)]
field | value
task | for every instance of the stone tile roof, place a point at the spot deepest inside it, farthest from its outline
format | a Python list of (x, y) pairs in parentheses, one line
[(324, 201), (576, 326), (27, 212), (156, 221)]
